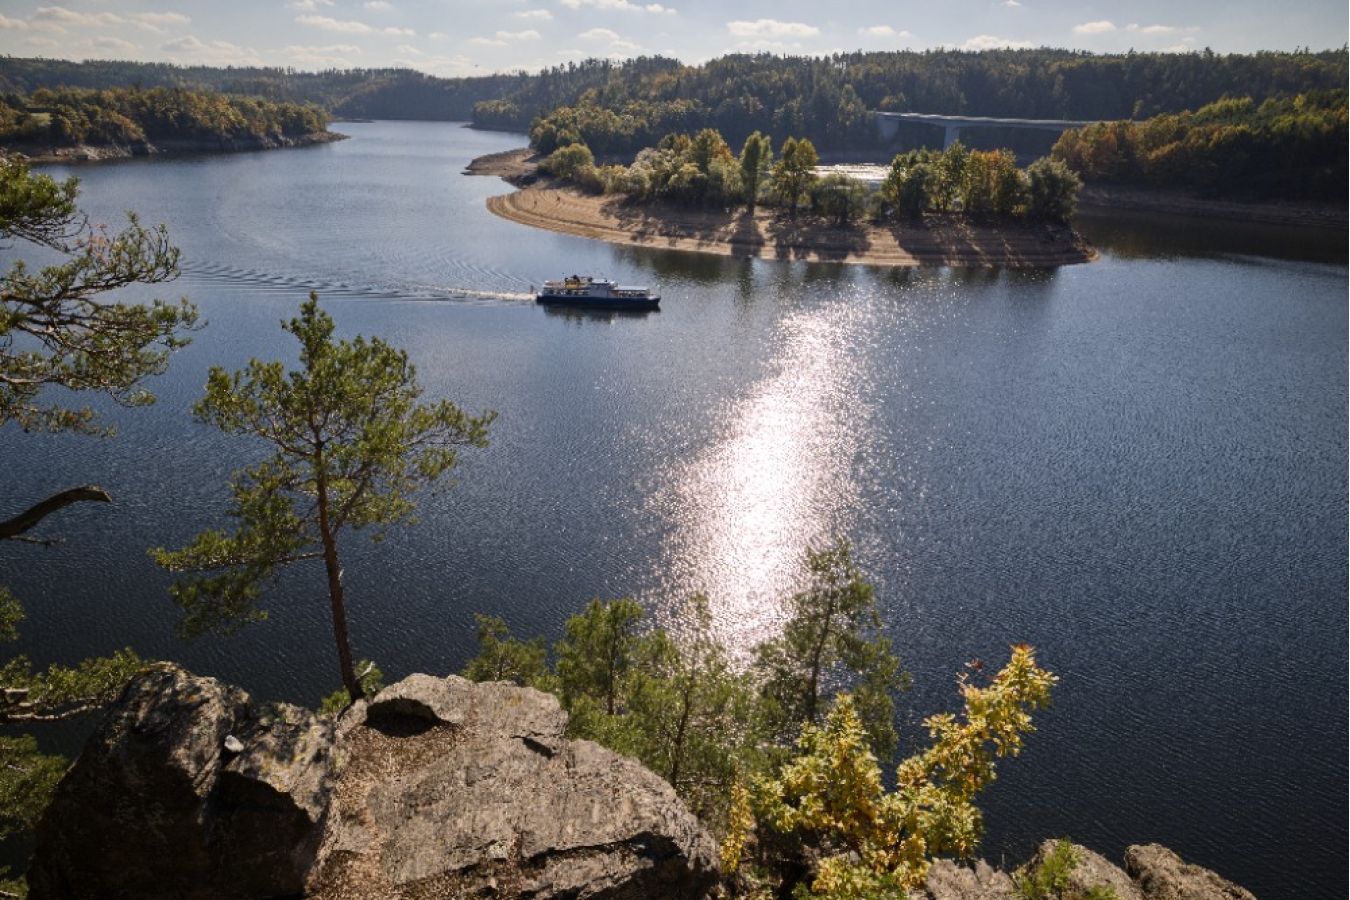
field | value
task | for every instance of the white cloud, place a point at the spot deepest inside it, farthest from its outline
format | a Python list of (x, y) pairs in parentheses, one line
[(156, 22), (437, 35), (8, 24), (993, 42), (190, 48), (1011, 4), (1152, 29), (378, 5), (883, 31), (308, 5), (622, 5), (599, 34), (342, 26), (771, 28), (408, 50), (503, 38), (108, 44), (63, 16), (327, 55), (1103, 26), (41, 43), (405, 32), (534, 15)]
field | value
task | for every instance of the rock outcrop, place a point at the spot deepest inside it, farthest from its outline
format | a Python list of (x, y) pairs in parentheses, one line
[(158, 806), (1164, 876), (435, 788), (950, 881), (1154, 873)]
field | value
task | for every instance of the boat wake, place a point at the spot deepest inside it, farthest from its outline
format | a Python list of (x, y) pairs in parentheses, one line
[(257, 281)]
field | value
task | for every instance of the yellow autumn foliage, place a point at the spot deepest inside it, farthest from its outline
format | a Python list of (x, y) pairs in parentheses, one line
[(884, 840)]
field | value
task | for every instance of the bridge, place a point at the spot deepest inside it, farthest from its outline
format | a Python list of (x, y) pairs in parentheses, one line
[(888, 123)]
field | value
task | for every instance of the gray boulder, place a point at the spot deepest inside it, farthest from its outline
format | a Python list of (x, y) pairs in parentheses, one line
[(1162, 875), (1090, 870), (437, 787), (157, 806), (948, 880), (459, 789)]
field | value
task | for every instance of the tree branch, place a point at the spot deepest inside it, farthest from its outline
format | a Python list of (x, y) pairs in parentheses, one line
[(10, 529)]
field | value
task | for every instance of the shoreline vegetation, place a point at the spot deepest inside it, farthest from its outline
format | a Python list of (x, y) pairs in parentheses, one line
[(91, 153), (770, 233), (68, 124)]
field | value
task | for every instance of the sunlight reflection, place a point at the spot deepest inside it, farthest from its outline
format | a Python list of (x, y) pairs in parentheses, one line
[(777, 479)]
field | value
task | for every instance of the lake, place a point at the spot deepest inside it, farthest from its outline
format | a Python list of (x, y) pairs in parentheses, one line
[(1137, 465)]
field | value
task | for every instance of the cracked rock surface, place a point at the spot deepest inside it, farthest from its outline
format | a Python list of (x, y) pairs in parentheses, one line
[(437, 787)]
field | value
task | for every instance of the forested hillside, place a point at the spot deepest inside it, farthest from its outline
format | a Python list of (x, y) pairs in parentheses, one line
[(361, 93), (1291, 147), (623, 106), (63, 117), (620, 108)]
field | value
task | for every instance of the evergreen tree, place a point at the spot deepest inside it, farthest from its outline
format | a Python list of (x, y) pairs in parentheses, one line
[(58, 330), (756, 160), (832, 641), (351, 445)]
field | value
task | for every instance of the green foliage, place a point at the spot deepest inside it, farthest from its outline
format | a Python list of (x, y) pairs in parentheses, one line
[(502, 657), (840, 198), (793, 175), (1052, 190), (57, 331), (691, 714), (565, 161), (351, 447), (621, 107), (1293, 146), (881, 842), (831, 640), (1051, 879), (672, 701), (122, 116), (368, 675), (597, 652), (755, 162), (55, 327)]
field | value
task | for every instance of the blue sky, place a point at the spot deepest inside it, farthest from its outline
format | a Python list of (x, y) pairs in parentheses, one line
[(453, 37)]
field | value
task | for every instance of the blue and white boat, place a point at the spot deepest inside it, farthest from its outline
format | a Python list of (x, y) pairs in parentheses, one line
[(583, 290)]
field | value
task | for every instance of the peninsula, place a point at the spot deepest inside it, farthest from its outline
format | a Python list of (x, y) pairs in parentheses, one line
[(81, 125), (664, 201)]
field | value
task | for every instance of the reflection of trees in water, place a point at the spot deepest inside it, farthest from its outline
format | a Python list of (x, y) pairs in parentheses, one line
[(1130, 234)]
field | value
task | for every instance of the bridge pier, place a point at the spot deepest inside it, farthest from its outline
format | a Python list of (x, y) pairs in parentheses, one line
[(950, 135)]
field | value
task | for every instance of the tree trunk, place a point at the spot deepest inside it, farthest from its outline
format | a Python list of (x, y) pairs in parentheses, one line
[(677, 751), (335, 597)]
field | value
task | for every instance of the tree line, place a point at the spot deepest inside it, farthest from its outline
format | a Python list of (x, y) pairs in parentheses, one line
[(782, 759), (620, 108), (124, 116), (1285, 147), (821, 98), (701, 170)]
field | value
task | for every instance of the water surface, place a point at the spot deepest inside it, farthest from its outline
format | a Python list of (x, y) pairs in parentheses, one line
[(1138, 466)]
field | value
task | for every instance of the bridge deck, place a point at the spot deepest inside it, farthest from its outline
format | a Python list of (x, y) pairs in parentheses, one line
[(976, 121)]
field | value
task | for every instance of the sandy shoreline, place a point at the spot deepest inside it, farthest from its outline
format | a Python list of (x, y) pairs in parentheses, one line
[(935, 241)]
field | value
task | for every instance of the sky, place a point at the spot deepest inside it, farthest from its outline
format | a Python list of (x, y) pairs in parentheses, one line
[(458, 37)]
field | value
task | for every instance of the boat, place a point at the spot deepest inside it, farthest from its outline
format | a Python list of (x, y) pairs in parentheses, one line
[(585, 291)]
